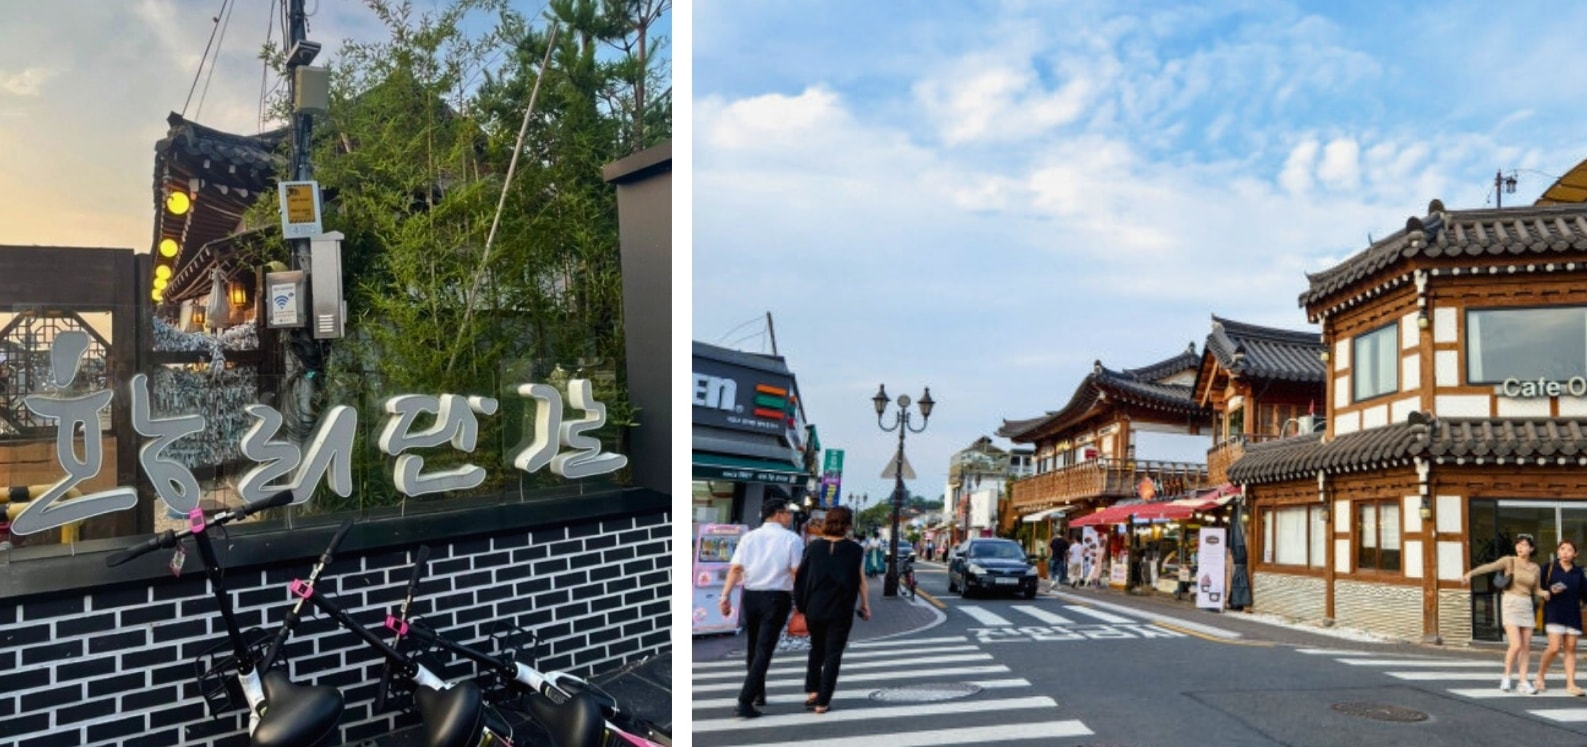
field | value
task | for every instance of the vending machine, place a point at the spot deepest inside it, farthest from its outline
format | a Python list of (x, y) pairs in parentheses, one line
[(713, 555)]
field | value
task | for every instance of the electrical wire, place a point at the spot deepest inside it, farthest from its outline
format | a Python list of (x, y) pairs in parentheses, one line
[(205, 56), (216, 61), (264, 64)]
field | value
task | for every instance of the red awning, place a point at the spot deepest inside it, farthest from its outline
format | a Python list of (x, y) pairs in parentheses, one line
[(1170, 511)]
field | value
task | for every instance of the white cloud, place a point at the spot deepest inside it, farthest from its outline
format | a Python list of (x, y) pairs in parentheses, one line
[(995, 97), (1339, 168), (27, 82), (1296, 177)]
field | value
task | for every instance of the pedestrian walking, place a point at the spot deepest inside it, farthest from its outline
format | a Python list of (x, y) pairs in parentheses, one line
[(1563, 584), (1058, 561), (1516, 608), (1076, 563), (764, 563), (829, 583), (875, 565)]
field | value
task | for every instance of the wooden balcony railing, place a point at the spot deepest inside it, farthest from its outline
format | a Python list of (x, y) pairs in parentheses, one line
[(1103, 478), (1224, 455)]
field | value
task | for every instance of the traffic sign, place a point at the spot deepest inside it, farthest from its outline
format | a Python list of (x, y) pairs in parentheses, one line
[(892, 468)]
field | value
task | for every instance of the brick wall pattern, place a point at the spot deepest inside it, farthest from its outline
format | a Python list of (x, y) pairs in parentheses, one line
[(114, 666), (1298, 597)]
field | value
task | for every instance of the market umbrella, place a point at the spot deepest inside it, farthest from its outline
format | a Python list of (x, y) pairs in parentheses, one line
[(1240, 585)]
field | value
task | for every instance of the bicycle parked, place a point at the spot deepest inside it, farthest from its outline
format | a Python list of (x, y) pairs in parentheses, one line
[(281, 713), (906, 575), (575, 713)]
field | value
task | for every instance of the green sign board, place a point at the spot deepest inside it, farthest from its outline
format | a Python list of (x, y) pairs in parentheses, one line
[(832, 462)]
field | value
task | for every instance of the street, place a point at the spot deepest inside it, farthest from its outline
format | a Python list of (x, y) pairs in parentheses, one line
[(1094, 667)]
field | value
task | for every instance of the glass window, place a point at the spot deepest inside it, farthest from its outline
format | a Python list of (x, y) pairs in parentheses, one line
[(1295, 535), (1526, 344), (1377, 359), (1378, 536)]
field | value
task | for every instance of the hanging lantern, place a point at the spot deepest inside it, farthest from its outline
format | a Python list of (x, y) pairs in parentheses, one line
[(238, 293), (158, 295), (160, 283), (162, 272), (168, 248), (178, 202)]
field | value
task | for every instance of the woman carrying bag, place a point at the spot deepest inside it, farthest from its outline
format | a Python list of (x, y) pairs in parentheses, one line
[(1563, 584), (829, 583), (1515, 606)]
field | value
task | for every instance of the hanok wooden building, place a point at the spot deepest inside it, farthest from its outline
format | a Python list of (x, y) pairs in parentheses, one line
[(1261, 384), (1085, 453), (1456, 418)]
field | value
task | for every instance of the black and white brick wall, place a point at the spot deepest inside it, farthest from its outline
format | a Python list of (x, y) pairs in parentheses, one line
[(114, 666)]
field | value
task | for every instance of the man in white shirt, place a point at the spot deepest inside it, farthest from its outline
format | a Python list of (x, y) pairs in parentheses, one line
[(764, 563)]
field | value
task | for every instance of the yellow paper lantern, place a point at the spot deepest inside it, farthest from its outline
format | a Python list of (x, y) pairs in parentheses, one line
[(178, 202), (162, 272), (168, 247), (158, 295), (160, 283)]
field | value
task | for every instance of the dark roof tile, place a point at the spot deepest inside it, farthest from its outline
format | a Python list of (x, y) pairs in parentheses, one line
[(1444, 440)]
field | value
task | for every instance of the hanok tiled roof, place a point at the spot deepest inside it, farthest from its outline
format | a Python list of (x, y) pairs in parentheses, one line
[(1140, 386), (231, 172), (1461, 441), (1528, 238), (1266, 353)]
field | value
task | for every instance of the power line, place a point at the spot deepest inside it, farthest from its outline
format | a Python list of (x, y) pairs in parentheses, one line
[(205, 56), (216, 61), (264, 62)]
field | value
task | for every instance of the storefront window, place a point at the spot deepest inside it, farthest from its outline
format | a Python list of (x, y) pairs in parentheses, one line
[(1294, 535), (1525, 344), (1378, 536), (1377, 362)]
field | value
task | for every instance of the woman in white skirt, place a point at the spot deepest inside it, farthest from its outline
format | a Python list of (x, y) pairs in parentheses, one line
[(1516, 606)]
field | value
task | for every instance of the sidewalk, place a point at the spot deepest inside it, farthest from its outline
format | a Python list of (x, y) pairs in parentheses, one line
[(890, 616)]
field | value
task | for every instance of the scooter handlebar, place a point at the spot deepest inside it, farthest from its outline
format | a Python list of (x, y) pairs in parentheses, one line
[(168, 538)]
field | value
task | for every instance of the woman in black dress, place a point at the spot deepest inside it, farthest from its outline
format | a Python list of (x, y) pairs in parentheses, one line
[(1563, 584), (831, 579)]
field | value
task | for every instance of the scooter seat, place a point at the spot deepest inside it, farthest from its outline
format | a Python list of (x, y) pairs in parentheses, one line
[(296, 715), (452, 717), (575, 723)]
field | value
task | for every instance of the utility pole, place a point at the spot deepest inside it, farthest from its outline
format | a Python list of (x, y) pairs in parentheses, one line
[(309, 351)]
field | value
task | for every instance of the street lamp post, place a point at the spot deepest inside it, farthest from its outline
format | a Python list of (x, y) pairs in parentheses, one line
[(900, 424)]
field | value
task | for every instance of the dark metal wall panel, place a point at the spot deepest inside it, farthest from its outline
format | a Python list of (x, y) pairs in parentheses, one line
[(644, 207)]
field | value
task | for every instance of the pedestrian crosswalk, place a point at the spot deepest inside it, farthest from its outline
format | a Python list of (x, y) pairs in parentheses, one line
[(1048, 623), (915, 692), (1477, 679)]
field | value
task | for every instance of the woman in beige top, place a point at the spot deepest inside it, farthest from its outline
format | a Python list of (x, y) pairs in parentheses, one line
[(1516, 606)]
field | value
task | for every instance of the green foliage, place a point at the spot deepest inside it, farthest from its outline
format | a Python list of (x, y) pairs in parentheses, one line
[(412, 158)]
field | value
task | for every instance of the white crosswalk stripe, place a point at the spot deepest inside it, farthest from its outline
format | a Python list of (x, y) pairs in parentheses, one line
[(873, 702), (984, 616), (1434, 669), (1042, 615)]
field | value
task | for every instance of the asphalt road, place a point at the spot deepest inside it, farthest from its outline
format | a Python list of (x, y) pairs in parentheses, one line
[(1103, 669)]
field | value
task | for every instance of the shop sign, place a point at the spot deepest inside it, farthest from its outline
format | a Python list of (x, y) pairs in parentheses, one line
[(745, 399), (1576, 386), (565, 444), (1209, 568)]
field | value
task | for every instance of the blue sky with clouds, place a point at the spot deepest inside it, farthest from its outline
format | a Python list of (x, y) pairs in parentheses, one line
[(986, 197)]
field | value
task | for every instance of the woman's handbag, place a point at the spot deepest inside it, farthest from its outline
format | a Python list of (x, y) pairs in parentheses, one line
[(797, 626), (1501, 580)]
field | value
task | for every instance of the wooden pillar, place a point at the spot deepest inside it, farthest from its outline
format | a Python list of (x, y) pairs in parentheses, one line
[(1430, 624)]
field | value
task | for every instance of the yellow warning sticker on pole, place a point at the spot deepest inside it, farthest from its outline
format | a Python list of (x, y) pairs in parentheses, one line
[(300, 209)]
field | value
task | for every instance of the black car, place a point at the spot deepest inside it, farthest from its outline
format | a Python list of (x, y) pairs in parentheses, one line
[(990, 564)]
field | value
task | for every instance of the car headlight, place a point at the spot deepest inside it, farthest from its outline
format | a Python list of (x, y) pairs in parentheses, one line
[(1030, 571), (976, 569)]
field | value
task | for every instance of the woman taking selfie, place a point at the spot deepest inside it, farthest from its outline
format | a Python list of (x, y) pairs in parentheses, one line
[(1515, 606)]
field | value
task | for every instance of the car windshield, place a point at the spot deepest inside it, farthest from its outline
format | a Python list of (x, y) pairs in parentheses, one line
[(997, 550)]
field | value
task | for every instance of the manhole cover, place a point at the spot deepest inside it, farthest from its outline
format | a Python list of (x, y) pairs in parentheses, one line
[(1381, 712), (925, 692)]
